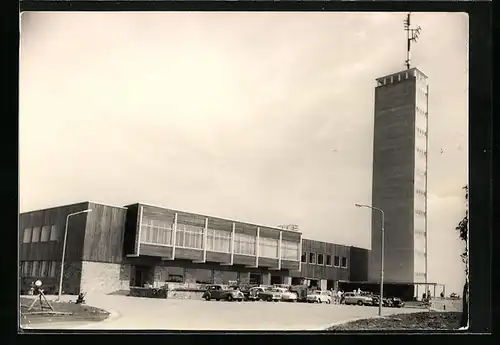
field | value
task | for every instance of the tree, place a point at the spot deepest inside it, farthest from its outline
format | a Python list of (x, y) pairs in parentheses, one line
[(463, 230)]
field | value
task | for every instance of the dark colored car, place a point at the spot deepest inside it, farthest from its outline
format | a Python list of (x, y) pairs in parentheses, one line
[(392, 302), (376, 299), (396, 302), (222, 292), (254, 293)]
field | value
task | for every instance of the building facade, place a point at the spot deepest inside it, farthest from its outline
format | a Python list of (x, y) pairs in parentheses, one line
[(400, 178), (112, 248)]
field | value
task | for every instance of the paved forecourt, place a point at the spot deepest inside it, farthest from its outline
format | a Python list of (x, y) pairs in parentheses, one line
[(171, 314)]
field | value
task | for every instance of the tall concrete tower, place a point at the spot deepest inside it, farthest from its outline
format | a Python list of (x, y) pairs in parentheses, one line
[(400, 177)]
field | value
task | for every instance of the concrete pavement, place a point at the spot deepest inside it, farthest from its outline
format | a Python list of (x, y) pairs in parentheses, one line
[(159, 314)]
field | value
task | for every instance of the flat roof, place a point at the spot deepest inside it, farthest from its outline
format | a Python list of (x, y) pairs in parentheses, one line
[(73, 204), (399, 72), (226, 219)]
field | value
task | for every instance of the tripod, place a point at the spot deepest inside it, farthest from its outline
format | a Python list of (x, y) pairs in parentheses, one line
[(41, 295)]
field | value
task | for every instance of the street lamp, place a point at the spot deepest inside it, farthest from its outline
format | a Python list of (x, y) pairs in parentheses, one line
[(64, 249), (380, 302)]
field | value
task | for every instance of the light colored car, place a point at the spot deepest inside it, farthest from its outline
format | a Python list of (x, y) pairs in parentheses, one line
[(270, 295), (352, 298), (287, 295), (319, 297)]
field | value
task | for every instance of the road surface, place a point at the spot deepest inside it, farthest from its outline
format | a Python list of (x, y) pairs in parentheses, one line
[(174, 314)]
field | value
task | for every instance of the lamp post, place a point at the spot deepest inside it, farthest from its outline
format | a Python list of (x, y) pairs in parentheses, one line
[(380, 302), (64, 249)]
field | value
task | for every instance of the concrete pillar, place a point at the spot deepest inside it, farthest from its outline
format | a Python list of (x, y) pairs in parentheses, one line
[(266, 278), (323, 284), (287, 280), (336, 285)]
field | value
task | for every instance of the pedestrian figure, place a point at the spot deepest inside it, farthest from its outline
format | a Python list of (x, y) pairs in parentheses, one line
[(342, 298), (442, 294), (339, 296)]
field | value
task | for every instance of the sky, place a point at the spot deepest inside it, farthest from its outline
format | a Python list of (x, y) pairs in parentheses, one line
[(260, 117)]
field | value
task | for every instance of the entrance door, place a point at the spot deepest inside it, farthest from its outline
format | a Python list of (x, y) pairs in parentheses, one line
[(142, 275), (255, 278)]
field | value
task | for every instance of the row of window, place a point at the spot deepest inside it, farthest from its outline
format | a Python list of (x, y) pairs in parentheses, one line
[(422, 152), (421, 132), (419, 233), (421, 172), (420, 192), (422, 91), (421, 111), (43, 234), (191, 237), (311, 259), (38, 268), (420, 212)]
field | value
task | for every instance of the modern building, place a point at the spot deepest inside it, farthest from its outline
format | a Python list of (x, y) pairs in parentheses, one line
[(112, 248), (400, 178)]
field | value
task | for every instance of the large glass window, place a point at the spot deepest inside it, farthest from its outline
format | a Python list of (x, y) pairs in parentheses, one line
[(189, 236), (44, 237), (52, 268), (156, 232), (44, 268), (244, 244), (268, 247), (336, 261), (312, 258), (344, 262), (35, 269), (25, 268), (54, 233), (36, 235), (27, 235), (218, 241), (289, 250)]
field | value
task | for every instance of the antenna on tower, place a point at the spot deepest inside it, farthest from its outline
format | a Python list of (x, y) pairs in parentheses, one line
[(412, 35)]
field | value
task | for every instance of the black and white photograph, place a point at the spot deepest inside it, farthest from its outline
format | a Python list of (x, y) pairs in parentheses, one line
[(245, 171)]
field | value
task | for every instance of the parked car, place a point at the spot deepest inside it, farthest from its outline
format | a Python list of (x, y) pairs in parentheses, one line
[(270, 294), (244, 288), (254, 293), (352, 298), (218, 292), (454, 295), (375, 301), (319, 297), (301, 291), (396, 302), (287, 295)]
